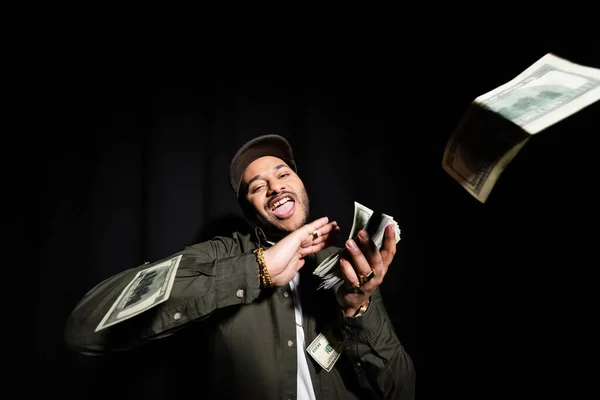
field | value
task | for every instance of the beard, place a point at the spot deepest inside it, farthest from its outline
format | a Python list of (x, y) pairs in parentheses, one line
[(274, 231)]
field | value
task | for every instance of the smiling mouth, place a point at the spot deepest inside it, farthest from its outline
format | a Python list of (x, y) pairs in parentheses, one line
[(283, 207)]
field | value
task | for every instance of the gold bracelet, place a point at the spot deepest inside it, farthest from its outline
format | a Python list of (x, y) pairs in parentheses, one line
[(263, 273), (362, 309)]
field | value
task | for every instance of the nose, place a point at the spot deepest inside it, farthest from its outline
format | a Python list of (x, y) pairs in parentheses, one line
[(275, 188)]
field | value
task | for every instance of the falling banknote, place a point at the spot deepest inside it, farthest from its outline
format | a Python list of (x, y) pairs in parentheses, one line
[(364, 218), (149, 287), (499, 123)]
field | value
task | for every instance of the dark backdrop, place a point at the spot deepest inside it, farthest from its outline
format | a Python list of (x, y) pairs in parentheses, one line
[(126, 119)]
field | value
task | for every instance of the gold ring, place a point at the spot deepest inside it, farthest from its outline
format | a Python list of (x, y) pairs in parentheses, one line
[(365, 279), (315, 235)]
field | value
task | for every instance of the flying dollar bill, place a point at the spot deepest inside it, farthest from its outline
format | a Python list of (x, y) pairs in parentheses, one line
[(149, 287), (329, 270), (499, 123)]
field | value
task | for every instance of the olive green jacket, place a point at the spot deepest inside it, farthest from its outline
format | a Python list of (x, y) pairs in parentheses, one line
[(249, 332)]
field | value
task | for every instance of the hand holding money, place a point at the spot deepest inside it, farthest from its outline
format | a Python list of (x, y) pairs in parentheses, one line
[(363, 268), (364, 218)]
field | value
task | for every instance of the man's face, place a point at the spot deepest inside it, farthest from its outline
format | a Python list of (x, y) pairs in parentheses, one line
[(276, 194)]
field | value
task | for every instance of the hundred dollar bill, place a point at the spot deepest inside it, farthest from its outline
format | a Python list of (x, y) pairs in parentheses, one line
[(149, 287), (326, 349), (329, 270), (361, 217), (499, 123)]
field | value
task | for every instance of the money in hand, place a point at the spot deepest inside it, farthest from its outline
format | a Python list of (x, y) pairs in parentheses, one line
[(149, 287), (499, 123), (329, 270)]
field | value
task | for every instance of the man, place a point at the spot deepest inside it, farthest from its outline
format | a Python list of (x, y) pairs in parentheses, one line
[(255, 297)]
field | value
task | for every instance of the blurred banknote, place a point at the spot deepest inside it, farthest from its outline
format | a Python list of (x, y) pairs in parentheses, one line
[(364, 218), (499, 123), (149, 287)]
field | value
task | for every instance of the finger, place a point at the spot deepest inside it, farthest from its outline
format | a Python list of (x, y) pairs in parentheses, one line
[(326, 229), (312, 248), (373, 257), (316, 224), (309, 232), (389, 245), (366, 243), (348, 272), (311, 245), (321, 234), (360, 261)]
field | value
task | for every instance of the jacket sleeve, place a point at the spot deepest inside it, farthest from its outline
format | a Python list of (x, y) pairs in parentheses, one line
[(381, 362), (211, 275)]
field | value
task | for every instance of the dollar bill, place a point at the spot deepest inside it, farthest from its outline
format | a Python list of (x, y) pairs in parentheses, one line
[(499, 123), (329, 269), (149, 287), (326, 349), (361, 217)]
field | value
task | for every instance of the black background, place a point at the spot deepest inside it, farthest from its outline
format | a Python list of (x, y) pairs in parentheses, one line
[(121, 122)]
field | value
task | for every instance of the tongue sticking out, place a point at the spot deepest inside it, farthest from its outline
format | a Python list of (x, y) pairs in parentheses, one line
[(283, 210)]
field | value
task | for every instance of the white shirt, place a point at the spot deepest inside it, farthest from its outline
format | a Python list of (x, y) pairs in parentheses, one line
[(304, 385)]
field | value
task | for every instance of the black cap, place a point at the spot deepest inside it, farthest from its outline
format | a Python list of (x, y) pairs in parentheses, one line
[(265, 145)]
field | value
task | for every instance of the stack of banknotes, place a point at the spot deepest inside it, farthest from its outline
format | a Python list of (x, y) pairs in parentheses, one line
[(364, 218)]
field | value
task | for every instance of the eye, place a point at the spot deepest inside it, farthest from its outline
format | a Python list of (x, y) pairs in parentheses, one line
[(283, 175), (257, 188)]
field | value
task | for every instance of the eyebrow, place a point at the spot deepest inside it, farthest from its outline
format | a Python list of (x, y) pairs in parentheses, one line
[(257, 177)]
